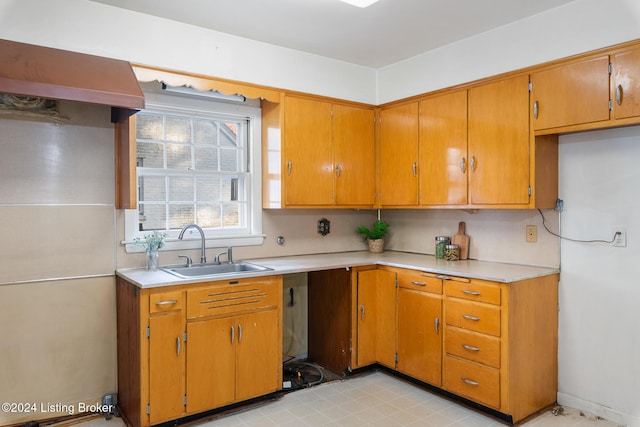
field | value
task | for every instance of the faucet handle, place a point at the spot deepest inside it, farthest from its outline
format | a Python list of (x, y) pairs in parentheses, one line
[(230, 255), (188, 259)]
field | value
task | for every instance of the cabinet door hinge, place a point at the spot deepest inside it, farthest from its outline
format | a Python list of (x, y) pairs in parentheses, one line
[(184, 337), (148, 331), (530, 191), (611, 105), (396, 282), (610, 68), (148, 409), (184, 400), (396, 358), (530, 87)]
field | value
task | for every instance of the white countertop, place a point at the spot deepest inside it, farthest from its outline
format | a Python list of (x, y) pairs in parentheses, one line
[(497, 272)]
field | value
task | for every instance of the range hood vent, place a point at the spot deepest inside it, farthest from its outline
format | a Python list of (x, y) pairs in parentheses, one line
[(43, 72)]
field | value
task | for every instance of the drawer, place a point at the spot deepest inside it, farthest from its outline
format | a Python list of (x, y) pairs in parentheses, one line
[(419, 282), (474, 290), (223, 298), (472, 380), (484, 318), (472, 346), (165, 301)]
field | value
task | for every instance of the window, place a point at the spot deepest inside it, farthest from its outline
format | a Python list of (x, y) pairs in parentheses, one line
[(198, 161)]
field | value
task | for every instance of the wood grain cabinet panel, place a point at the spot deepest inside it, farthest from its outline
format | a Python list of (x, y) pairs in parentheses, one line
[(399, 155), (499, 151), (443, 149), (172, 365), (420, 335), (571, 94), (308, 152), (328, 154), (625, 84)]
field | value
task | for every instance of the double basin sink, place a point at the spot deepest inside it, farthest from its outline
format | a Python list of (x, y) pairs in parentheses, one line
[(214, 270)]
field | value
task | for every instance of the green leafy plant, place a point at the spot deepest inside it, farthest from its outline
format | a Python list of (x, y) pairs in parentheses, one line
[(377, 231), (152, 241)]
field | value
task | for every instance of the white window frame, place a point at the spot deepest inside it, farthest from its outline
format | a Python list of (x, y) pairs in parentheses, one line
[(162, 103)]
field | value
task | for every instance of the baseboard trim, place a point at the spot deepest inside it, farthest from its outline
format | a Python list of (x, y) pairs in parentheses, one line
[(609, 414)]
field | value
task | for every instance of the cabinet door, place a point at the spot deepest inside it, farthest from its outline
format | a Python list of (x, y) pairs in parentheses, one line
[(420, 335), (355, 155), (499, 142), (376, 318), (399, 155), (308, 153), (166, 367), (210, 364), (258, 354), (625, 85), (571, 94), (443, 150)]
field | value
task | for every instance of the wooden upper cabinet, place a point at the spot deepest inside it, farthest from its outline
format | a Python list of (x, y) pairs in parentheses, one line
[(399, 155), (308, 152), (443, 149), (571, 94), (499, 162), (328, 154), (625, 84), (355, 156)]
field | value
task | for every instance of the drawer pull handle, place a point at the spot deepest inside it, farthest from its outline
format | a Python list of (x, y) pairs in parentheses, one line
[(474, 318), (443, 277), (415, 282), (470, 348), (178, 346), (233, 334), (169, 302), (468, 292), (468, 381)]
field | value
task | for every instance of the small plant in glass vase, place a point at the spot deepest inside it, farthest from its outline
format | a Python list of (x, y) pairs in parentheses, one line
[(375, 235), (151, 242)]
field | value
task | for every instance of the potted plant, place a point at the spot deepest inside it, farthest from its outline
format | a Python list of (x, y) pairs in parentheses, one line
[(152, 243), (375, 235)]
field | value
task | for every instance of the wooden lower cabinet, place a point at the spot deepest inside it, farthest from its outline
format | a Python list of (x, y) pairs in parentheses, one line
[(492, 343), (376, 318), (228, 358), (419, 346), (166, 367), (196, 347), (501, 343)]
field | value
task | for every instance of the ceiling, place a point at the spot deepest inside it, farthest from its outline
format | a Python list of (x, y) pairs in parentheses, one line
[(384, 33)]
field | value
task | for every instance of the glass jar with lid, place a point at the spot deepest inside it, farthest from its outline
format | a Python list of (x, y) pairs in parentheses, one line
[(441, 242)]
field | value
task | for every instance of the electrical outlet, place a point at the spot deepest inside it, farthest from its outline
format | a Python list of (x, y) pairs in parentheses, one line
[(532, 233), (620, 236)]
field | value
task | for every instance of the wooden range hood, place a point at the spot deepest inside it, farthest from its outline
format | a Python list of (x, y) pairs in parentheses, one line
[(38, 71)]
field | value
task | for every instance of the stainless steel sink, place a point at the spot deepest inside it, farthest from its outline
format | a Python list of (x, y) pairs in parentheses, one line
[(214, 270)]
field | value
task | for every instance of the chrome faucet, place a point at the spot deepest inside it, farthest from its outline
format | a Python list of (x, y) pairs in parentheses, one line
[(203, 257), (229, 253)]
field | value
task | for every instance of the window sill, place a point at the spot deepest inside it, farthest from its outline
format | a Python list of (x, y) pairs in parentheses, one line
[(173, 244)]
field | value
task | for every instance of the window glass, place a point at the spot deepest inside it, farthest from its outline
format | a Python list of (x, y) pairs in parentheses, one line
[(193, 167)]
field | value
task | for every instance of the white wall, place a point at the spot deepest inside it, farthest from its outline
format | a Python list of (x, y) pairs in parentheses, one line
[(57, 289), (599, 338), (577, 27), (88, 27)]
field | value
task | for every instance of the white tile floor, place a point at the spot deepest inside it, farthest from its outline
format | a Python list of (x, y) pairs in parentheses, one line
[(372, 399)]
